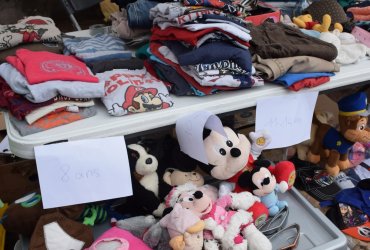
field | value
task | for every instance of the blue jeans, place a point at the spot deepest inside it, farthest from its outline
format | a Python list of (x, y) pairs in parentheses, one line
[(138, 14)]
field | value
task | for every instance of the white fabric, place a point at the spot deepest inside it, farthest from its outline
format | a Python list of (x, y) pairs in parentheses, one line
[(122, 86), (239, 32), (57, 239), (109, 245), (216, 80), (343, 181), (362, 172), (45, 91), (351, 53), (41, 112), (348, 52)]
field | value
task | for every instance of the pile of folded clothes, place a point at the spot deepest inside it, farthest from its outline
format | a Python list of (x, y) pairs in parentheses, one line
[(43, 90), (200, 49)]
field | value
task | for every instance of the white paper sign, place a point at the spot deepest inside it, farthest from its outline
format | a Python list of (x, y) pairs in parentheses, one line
[(83, 171), (189, 131), (287, 118)]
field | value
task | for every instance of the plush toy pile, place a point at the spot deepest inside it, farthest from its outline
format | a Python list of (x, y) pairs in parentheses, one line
[(173, 208)]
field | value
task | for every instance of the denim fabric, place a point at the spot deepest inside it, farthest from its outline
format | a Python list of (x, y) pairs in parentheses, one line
[(138, 14)]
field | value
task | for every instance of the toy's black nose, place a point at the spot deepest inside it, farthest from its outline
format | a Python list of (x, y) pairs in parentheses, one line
[(266, 181), (149, 161), (198, 195), (235, 152)]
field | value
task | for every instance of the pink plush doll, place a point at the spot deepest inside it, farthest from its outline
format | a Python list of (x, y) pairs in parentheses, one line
[(226, 219), (184, 228)]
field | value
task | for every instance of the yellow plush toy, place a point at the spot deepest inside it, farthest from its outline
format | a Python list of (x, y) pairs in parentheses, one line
[(306, 22), (325, 24)]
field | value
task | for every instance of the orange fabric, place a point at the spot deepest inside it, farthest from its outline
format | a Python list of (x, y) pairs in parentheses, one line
[(359, 232), (56, 119)]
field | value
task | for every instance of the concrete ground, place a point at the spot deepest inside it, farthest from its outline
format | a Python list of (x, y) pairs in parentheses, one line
[(13, 10)]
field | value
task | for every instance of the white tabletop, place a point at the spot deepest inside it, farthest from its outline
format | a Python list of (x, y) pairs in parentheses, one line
[(103, 125)]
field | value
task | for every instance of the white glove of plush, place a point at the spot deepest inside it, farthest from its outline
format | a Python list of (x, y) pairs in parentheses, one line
[(260, 140), (243, 200), (283, 186)]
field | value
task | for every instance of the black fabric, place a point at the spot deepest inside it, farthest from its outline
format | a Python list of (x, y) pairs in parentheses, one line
[(102, 66), (179, 85), (314, 180)]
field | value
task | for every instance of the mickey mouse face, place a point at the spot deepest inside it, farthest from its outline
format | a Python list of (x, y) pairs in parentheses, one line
[(226, 156), (264, 181)]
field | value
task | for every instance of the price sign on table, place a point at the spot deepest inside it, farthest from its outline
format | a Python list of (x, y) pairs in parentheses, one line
[(83, 171), (287, 118)]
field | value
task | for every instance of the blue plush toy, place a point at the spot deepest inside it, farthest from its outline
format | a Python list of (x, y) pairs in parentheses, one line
[(264, 185)]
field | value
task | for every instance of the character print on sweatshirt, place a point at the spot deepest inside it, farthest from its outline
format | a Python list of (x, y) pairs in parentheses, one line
[(140, 99)]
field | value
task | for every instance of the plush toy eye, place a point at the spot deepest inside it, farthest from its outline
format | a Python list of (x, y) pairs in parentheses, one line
[(187, 199), (229, 143), (222, 151), (361, 127)]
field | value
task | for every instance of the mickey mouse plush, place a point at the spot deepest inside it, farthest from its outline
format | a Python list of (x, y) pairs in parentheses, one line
[(263, 184), (231, 157)]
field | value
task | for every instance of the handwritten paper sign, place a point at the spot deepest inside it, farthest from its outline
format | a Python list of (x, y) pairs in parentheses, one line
[(287, 118), (83, 171), (189, 131)]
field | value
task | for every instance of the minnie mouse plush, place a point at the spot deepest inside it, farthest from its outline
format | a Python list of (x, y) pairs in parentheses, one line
[(226, 219)]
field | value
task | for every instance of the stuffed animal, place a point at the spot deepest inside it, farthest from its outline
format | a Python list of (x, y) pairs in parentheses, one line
[(148, 229), (264, 185), (156, 166), (145, 168), (145, 184), (176, 177), (306, 22), (303, 147), (230, 158), (226, 219), (185, 229), (334, 144), (175, 168)]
